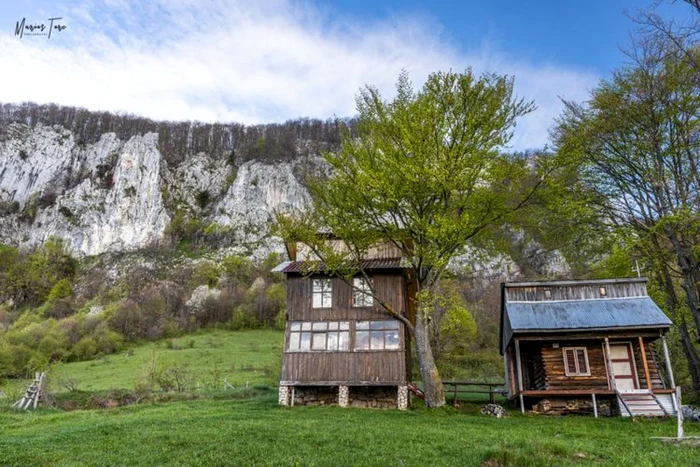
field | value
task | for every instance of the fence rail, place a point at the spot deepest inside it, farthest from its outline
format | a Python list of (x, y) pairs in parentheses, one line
[(475, 387)]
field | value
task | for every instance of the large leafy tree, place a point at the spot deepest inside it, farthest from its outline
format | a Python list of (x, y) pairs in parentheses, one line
[(426, 173), (637, 146)]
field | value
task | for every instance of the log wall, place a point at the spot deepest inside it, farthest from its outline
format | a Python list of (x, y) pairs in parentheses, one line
[(544, 367)]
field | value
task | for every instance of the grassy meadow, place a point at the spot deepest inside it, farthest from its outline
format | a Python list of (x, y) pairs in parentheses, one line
[(257, 431), (247, 427), (242, 357)]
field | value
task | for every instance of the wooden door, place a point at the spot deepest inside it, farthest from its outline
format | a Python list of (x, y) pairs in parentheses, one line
[(624, 369)]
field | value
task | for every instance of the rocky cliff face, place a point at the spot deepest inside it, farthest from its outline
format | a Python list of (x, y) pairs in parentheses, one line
[(119, 195)]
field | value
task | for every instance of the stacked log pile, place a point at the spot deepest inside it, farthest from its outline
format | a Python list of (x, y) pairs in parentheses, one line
[(573, 406)]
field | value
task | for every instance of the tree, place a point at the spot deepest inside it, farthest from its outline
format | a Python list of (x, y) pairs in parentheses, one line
[(637, 145), (426, 174)]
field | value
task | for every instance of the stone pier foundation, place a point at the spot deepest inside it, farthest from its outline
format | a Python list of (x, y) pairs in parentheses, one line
[(402, 398), (285, 395), (343, 396)]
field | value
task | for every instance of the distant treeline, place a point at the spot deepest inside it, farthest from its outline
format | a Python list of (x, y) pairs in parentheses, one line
[(234, 141)]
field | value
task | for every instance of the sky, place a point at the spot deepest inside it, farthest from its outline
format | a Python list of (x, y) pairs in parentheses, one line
[(274, 60)]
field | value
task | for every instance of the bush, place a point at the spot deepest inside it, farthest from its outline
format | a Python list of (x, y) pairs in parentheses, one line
[(85, 349), (62, 289)]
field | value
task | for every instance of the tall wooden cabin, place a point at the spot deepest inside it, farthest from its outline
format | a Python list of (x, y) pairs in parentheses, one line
[(340, 346), (586, 347)]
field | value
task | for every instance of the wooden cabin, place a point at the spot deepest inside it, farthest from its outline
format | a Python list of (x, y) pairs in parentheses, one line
[(590, 346), (340, 346)]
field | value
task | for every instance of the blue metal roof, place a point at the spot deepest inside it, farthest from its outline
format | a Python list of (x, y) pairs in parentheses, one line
[(581, 315)]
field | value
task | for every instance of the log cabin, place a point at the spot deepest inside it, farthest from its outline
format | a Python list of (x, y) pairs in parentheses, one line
[(341, 347), (586, 347)]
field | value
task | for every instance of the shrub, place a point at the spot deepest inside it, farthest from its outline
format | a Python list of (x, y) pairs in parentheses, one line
[(85, 349), (62, 289)]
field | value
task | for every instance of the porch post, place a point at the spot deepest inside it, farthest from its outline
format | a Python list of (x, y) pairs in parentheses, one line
[(669, 370), (645, 363), (520, 374), (675, 400), (611, 372)]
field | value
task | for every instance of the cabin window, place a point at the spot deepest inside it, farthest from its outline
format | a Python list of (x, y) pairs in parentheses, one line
[(319, 335), (362, 292), (377, 335), (576, 361), (322, 293)]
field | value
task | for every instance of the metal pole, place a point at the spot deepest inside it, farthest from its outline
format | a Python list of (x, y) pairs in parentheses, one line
[(679, 413), (520, 375), (595, 406)]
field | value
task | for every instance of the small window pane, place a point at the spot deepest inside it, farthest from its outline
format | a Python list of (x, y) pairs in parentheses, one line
[(333, 326), (295, 326), (319, 342), (362, 325), (326, 300), (306, 326), (344, 325), (391, 324), (305, 343), (376, 325), (332, 341), (392, 340), (320, 326), (344, 341), (362, 340), (294, 341), (376, 340)]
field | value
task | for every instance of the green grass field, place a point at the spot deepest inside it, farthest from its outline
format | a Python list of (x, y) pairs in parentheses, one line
[(247, 427), (242, 357), (257, 431)]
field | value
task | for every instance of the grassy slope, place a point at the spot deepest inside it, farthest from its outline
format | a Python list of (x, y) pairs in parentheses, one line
[(251, 357), (260, 432)]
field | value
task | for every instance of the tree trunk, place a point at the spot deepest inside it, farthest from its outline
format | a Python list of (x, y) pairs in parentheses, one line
[(432, 383), (691, 355)]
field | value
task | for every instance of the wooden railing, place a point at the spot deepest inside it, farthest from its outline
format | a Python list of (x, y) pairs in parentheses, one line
[(455, 388)]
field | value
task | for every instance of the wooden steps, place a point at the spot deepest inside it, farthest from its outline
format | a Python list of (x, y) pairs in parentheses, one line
[(640, 403)]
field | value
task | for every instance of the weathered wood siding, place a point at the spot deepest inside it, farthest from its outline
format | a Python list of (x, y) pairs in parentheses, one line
[(575, 292), (350, 367), (389, 286), (367, 367), (386, 250)]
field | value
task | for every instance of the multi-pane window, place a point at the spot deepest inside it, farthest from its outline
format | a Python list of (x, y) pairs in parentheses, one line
[(377, 335), (319, 335), (322, 292), (362, 289), (576, 361)]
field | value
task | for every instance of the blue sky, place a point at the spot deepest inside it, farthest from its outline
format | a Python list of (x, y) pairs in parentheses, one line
[(272, 60)]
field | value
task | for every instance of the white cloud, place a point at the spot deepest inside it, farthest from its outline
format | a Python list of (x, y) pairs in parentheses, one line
[(251, 62)]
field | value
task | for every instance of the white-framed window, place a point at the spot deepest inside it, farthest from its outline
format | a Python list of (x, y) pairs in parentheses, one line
[(362, 292), (319, 335), (322, 293), (377, 335), (576, 361)]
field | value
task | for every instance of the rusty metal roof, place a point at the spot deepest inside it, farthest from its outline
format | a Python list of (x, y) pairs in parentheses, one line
[(305, 267), (580, 315)]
